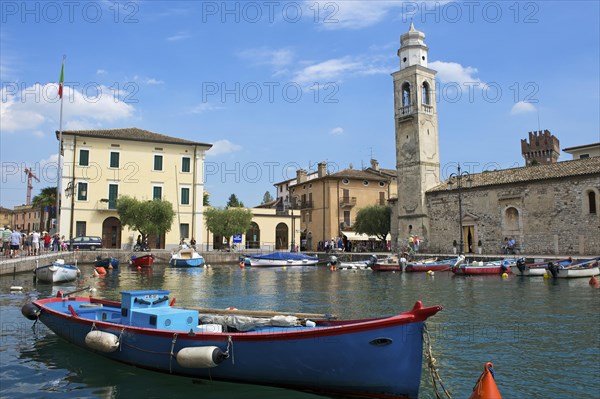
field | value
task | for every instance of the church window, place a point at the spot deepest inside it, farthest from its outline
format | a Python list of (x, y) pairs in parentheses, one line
[(425, 93), (592, 203), (406, 94)]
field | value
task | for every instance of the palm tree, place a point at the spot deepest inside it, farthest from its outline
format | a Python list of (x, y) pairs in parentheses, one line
[(46, 202)]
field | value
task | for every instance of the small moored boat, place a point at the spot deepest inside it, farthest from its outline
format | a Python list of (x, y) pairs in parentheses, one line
[(434, 266), (484, 268), (143, 261), (56, 272), (106, 262), (375, 357), (186, 257), (275, 259), (537, 269), (353, 265), (582, 268)]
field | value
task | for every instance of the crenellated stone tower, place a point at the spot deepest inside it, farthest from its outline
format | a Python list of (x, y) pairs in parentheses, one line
[(542, 148), (417, 145)]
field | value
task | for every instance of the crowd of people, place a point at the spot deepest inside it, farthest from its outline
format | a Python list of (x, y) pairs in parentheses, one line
[(16, 243)]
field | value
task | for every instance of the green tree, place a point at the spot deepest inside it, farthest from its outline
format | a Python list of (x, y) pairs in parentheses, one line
[(374, 220), (145, 217), (45, 199), (206, 199), (234, 202), (267, 198), (227, 222)]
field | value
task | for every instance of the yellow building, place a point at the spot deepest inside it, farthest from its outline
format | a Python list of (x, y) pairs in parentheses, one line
[(328, 202), (6, 217), (100, 165), (271, 230)]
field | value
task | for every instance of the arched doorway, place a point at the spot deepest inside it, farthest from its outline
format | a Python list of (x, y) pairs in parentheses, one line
[(111, 233), (253, 237), (281, 236)]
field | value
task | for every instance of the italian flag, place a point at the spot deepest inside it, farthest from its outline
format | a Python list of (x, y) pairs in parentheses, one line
[(62, 79)]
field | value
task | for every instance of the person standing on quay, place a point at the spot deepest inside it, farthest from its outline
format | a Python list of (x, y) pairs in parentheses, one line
[(35, 242), (15, 243)]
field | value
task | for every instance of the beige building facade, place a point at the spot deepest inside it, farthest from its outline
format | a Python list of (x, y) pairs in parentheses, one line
[(271, 230), (328, 203), (98, 166)]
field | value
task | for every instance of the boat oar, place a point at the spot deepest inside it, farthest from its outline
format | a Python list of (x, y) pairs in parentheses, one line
[(265, 313), (61, 294)]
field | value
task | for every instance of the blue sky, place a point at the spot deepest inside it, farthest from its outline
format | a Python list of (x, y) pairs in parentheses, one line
[(275, 86)]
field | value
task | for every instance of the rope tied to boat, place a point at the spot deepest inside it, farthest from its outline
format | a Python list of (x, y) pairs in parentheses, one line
[(120, 335), (172, 354), (431, 361), (230, 345)]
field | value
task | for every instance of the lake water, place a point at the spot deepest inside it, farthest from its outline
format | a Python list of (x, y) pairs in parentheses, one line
[(543, 336)]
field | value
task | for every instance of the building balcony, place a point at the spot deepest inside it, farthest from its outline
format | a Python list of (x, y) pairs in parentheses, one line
[(427, 109), (347, 202), (106, 205), (306, 205)]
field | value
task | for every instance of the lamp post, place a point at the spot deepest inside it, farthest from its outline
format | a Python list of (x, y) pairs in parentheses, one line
[(290, 205), (457, 178)]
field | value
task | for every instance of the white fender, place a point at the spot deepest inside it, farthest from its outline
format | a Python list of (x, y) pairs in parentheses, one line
[(102, 341), (200, 357)]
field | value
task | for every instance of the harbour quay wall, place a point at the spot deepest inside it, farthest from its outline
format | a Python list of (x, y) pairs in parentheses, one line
[(23, 264)]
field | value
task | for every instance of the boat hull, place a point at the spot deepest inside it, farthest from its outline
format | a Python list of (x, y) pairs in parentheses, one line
[(280, 259), (578, 273), (386, 267), (106, 262), (195, 262), (143, 261), (424, 267), (379, 358), (56, 273)]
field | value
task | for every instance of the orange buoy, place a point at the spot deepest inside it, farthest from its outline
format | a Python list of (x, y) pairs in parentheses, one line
[(101, 270), (594, 281), (486, 388)]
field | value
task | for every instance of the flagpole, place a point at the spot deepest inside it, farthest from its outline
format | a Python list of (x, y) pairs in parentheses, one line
[(59, 167)]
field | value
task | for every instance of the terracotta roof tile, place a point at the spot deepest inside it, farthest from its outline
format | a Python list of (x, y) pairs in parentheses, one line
[(133, 134), (578, 167)]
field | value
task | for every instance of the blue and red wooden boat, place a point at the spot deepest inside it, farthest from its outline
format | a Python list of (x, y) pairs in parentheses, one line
[(376, 358), (106, 262), (143, 261), (434, 266)]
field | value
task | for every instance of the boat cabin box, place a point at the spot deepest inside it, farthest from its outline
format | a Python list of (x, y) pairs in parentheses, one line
[(150, 309)]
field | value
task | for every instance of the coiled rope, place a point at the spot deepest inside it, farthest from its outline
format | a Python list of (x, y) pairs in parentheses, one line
[(435, 377)]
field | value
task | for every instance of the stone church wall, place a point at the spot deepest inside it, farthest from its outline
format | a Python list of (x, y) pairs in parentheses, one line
[(549, 217)]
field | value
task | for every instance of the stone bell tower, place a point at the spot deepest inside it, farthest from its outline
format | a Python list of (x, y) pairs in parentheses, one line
[(417, 145)]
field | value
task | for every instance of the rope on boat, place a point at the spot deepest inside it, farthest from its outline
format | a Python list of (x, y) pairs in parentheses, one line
[(230, 345), (120, 335), (435, 377), (172, 354)]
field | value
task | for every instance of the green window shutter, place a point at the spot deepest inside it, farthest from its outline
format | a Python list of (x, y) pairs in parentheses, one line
[(113, 193), (84, 157), (114, 159), (185, 196), (158, 162), (185, 164)]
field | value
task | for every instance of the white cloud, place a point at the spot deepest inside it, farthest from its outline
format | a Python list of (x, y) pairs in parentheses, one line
[(221, 147), (204, 107), (330, 70), (152, 81), (277, 59), (337, 131), (179, 36), (38, 105), (349, 14), (101, 72), (522, 107), (452, 72)]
